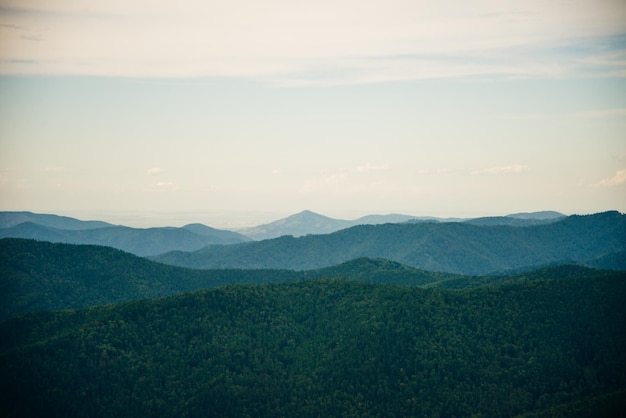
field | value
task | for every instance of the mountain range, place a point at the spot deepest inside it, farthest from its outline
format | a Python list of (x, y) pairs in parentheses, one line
[(327, 348), (43, 276), (454, 247), (89, 330), (138, 241), (156, 241), (307, 223)]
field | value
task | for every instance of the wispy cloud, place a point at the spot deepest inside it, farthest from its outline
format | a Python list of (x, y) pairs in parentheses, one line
[(369, 167), (165, 186), (154, 170), (380, 41), (503, 169), (586, 114), (431, 171), (618, 179), (55, 169)]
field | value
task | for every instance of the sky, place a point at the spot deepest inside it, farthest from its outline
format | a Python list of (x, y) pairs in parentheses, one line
[(346, 108)]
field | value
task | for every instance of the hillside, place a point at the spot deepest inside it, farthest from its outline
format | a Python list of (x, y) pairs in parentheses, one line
[(307, 222), (453, 247), (40, 276), (326, 348), (139, 241), (9, 219)]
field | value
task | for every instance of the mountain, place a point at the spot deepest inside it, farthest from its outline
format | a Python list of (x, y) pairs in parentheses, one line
[(307, 222), (42, 276), (542, 215), (9, 219), (519, 219), (453, 247), (39, 276), (139, 241), (303, 223), (327, 348)]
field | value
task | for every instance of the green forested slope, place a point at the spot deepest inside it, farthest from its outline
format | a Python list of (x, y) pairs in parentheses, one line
[(322, 348), (40, 276), (138, 241), (451, 247)]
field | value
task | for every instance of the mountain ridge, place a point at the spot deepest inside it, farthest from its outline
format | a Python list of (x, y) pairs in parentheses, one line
[(43, 276), (326, 347), (308, 222), (455, 247), (139, 241)]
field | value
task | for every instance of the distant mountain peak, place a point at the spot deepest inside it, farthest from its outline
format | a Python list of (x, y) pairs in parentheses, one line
[(545, 214)]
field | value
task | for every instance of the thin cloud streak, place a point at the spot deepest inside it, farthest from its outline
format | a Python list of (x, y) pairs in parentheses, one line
[(505, 169), (325, 43), (617, 180)]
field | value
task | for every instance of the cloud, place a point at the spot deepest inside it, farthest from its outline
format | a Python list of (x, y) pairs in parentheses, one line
[(618, 179), (585, 114), (163, 186), (281, 42), (154, 170), (368, 167), (429, 171), (55, 170), (503, 169)]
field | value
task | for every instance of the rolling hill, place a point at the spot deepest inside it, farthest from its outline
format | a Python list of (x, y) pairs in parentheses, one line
[(311, 223), (9, 219), (327, 348), (307, 222), (39, 276), (453, 247), (42, 276), (139, 241)]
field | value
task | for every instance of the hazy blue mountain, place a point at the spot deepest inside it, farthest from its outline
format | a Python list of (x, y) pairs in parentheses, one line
[(382, 219), (507, 220), (138, 241), (542, 215), (303, 223), (9, 219), (519, 219), (453, 247), (307, 222)]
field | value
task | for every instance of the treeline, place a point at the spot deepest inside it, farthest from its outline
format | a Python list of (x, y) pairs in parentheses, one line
[(41, 276), (325, 348), (454, 247)]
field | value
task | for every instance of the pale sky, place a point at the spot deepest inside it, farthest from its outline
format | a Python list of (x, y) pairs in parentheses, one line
[(442, 108)]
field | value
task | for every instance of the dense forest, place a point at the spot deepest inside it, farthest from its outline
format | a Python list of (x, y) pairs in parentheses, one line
[(40, 276), (454, 247), (327, 348)]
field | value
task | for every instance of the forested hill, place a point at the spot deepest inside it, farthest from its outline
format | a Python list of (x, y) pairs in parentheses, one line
[(327, 348), (41, 276), (139, 241), (451, 247)]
